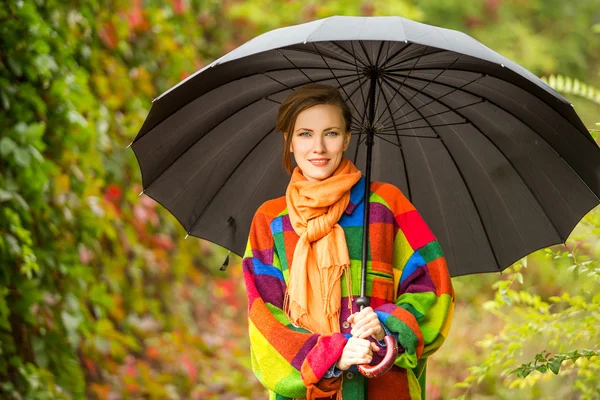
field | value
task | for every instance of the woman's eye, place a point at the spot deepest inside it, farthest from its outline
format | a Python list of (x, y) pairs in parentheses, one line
[(334, 133), (304, 134)]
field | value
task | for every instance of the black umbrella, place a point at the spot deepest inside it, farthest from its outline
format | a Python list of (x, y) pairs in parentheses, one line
[(498, 163)]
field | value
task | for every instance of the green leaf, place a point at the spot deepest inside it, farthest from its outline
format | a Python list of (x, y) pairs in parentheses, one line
[(541, 368), (7, 146), (554, 365), (519, 277), (36, 130), (22, 157)]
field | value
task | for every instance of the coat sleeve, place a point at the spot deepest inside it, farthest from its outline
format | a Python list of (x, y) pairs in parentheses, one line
[(422, 313), (288, 360)]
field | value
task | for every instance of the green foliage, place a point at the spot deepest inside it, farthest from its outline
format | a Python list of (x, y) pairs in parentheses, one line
[(544, 362), (559, 322), (568, 85), (99, 294)]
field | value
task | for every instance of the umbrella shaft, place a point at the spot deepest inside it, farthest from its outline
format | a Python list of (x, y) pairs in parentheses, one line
[(363, 301)]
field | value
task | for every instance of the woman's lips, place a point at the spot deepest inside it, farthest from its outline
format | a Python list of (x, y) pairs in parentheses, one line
[(319, 163)]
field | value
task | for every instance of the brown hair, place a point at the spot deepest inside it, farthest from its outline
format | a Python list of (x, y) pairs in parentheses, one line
[(301, 99)]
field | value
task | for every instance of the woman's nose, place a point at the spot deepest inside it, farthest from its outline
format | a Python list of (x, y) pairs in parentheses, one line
[(318, 144)]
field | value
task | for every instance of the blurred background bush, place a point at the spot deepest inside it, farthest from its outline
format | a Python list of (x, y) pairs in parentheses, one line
[(102, 298)]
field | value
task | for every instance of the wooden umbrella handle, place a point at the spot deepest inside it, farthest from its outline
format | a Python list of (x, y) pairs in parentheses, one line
[(386, 364)]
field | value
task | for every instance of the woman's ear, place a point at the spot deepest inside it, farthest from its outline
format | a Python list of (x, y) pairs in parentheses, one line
[(346, 140), (285, 139)]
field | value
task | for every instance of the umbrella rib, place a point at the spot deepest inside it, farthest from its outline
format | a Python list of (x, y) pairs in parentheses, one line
[(439, 200), (389, 59), (295, 86), (422, 55), (335, 76), (301, 50), (424, 47), (353, 56), (423, 127), (394, 144), (436, 99), (363, 115), (515, 116), (437, 114), (379, 53), (409, 136), (364, 49), (295, 66), (230, 175), (381, 86), (371, 64), (470, 195), (303, 83), (427, 84), (512, 165), (360, 80), (351, 94)]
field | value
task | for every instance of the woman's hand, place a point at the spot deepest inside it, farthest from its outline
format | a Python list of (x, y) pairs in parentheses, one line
[(365, 323), (356, 352)]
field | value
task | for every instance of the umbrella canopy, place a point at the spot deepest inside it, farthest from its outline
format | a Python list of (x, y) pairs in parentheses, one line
[(496, 161)]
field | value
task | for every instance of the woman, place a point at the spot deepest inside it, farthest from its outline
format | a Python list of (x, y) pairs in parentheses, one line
[(302, 270)]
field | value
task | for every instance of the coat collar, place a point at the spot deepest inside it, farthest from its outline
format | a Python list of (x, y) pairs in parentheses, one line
[(357, 194)]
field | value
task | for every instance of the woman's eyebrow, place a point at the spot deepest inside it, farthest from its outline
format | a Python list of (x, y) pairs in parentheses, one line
[(306, 129)]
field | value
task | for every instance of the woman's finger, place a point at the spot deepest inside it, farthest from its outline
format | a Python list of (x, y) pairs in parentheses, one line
[(358, 344), (357, 330), (366, 333), (362, 317), (359, 324)]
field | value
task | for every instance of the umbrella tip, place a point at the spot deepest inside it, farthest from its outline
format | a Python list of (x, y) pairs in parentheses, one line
[(129, 145), (186, 236), (226, 262), (142, 192)]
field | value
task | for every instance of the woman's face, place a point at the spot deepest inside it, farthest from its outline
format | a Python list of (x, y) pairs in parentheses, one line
[(319, 141)]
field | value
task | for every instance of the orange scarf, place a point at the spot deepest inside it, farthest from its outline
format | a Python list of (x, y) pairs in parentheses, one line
[(313, 297)]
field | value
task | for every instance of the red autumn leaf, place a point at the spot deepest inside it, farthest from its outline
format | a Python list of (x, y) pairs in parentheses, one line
[(178, 6), (85, 256), (113, 193), (152, 353), (473, 22), (130, 367), (90, 366), (140, 213), (132, 388), (367, 9), (226, 287), (190, 368), (147, 202), (135, 15), (491, 7), (108, 35), (162, 241)]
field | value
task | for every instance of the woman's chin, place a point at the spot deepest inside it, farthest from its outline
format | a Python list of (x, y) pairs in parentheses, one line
[(318, 175)]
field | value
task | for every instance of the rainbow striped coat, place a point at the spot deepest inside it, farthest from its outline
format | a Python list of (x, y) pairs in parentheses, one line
[(407, 281)]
